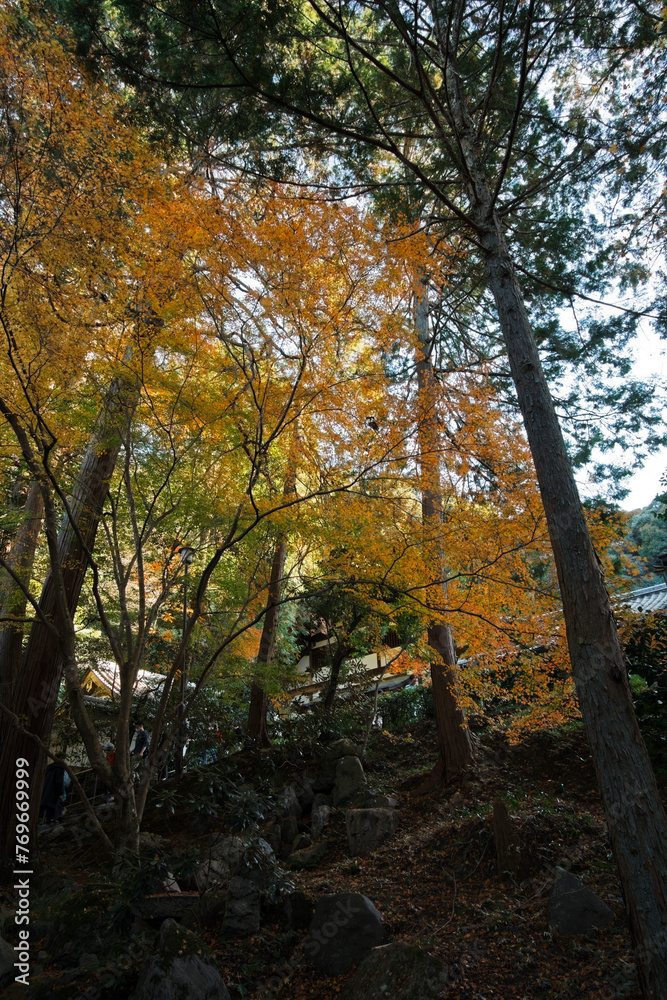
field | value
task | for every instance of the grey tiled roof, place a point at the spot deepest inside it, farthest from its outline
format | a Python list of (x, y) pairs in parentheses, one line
[(649, 598)]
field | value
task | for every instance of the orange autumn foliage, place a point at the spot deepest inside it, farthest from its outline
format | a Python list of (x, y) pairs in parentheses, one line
[(271, 310)]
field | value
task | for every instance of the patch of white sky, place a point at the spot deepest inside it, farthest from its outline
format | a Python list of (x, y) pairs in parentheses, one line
[(648, 350), (650, 363)]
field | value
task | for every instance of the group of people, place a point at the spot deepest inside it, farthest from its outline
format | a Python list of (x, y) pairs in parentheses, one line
[(57, 780)]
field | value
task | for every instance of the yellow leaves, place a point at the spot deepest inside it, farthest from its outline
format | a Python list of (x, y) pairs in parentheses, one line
[(78, 179), (243, 312)]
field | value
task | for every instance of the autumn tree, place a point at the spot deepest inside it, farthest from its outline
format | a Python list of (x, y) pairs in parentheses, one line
[(495, 154), (256, 729), (200, 351), (75, 321)]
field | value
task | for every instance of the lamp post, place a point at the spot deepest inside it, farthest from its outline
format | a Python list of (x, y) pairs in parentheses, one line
[(186, 555)]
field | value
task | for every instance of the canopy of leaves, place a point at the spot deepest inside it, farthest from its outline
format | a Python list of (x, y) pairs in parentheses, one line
[(353, 96)]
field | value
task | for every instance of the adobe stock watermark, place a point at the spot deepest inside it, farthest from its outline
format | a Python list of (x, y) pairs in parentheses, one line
[(22, 870)]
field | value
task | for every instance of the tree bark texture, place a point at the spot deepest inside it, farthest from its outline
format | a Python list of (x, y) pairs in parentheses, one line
[(635, 815), (343, 650), (257, 728), (454, 744), (36, 687), (505, 839), (14, 602)]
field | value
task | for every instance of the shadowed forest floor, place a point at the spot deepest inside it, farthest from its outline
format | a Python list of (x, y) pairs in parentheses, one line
[(436, 883)]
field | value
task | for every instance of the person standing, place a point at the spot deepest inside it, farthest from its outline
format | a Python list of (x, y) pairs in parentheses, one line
[(140, 750), (53, 792), (110, 754)]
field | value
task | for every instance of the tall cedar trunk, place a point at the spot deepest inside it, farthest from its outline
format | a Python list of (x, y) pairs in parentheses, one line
[(454, 744), (20, 560), (257, 729), (36, 688), (635, 815)]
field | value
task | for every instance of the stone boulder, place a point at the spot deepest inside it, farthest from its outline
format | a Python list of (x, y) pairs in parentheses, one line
[(242, 912), (350, 780), (574, 909), (332, 753), (309, 857), (225, 856), (274, 837), (301, 841), (341, 748), (212, 906), (182, 967), (304, 793), (375, 801), (398, 970), (368, 829), (229, 856), (152, 843), (287, 804), (258, 852), (344, 929), (229, 850), (89, 961), (319, 818), (289, 828)]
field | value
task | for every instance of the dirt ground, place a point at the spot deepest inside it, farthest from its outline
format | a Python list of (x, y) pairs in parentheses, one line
[(436, 883)]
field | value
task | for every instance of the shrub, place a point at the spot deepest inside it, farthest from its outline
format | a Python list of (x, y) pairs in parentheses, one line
[(644, 638), (411, 704)]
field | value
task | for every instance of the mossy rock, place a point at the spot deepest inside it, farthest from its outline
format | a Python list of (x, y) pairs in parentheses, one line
[(175, 942), (398, 971), (181, 968), (309, 857)]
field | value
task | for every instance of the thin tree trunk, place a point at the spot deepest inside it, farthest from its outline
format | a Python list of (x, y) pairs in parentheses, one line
[(508, 855), (454, 744), (336, 664), (36, 688), (371, 717), (257, 728), (14, 602)]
